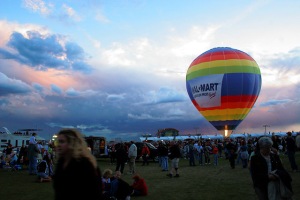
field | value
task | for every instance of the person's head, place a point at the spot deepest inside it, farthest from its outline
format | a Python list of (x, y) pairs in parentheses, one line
[(33, 134), (71, 144), (136, 177), (243, 142), (289, 133), (118, 174), (265, 145), (107, 173)]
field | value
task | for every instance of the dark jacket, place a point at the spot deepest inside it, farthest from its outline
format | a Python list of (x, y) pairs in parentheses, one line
[(121, 155), (162, 150), (174, 151), (79, 180), (259, 170), (290, 144)]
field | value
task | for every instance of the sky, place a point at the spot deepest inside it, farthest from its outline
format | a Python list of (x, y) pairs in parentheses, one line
[(117, 68)]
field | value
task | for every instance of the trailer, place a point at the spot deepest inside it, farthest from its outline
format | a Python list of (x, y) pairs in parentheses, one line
[(97, 145)]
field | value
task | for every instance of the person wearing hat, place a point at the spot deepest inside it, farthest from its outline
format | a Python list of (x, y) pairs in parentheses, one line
[(291, 150)]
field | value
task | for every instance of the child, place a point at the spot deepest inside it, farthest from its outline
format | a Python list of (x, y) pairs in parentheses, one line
[(32, 139), (106, 182)]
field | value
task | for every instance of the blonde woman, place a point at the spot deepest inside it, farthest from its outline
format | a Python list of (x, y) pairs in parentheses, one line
[(76, 174)]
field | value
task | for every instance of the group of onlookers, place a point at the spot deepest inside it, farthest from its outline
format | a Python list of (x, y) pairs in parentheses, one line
[(34, 156), (78, 176), (115, 187)]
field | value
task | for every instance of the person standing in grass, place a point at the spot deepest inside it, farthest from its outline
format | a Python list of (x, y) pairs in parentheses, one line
[(267, 169), (231, 150), (291, 150), (145, 154), (121, 157), (132, 154), (76, 174), (33, 152), (174, 156), (215, 152), (163, 152)]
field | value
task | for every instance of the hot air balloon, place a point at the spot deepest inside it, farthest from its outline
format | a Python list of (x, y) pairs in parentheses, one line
[(223, 84)]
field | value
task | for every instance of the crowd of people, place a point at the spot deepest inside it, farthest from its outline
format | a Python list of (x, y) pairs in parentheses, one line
[(35, 156), (76, 167)]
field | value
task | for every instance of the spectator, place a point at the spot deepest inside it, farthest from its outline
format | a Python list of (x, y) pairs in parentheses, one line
[(215, 152), (43, 171), (291, 150), (32, 139), (139, 186), (244, 154), (132, 153), (106, 183), (163, 152), (190, 152), (76, 174), (231, 152), (13, 158), (33, 152), (174, 156), (266, 168), (120, 189), (121, 157), (145, 154)]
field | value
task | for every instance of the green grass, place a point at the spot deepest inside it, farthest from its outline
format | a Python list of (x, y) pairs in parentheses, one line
[(199, 182)]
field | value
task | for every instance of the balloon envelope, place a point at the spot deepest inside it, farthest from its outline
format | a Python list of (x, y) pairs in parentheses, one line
[(223, 83)]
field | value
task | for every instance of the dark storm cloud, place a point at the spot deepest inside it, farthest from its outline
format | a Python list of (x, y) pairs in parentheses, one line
[(11, 86), (45, 51)]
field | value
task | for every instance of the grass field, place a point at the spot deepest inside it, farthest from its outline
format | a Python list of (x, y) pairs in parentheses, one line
[(199, 182)]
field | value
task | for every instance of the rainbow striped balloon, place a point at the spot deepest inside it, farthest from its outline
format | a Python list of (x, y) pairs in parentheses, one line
[(223, 83)]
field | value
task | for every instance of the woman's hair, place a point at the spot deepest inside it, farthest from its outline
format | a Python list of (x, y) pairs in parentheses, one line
[(265, 142), (77, 145), (107, 173)]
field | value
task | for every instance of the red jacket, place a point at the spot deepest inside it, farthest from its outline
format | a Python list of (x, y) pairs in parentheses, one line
[(145, 150), (140, 185)]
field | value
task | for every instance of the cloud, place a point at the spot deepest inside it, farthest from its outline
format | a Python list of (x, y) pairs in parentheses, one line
[(62, 12), (115, 97), (71, 92), (56, 89), (69, 13), (101, 17), (38, 6), (46, 51), (163, 95), (10, 86), (38, 87), (274, 102)]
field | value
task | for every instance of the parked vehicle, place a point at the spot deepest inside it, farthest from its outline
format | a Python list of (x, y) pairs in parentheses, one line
[(153, 150), (97, 145)]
